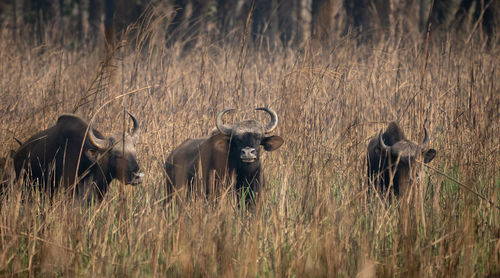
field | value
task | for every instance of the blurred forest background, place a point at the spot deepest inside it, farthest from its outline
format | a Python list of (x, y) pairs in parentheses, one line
[(271, 23)]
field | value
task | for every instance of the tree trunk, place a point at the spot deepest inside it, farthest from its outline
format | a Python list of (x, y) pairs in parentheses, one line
[(173, 29), (109, 28), (95, 12), (195, 24), (358, 15), (265, 23), (322, 20)]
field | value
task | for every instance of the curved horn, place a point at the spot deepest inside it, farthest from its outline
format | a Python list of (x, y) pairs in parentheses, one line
[(97, 142), (18, 141), (220, 126), (274, 119), (426, 139), (381, 143), (136, 124)]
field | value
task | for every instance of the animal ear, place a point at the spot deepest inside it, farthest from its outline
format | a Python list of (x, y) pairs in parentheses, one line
[(429, 155), (92, 154), (272, 143)]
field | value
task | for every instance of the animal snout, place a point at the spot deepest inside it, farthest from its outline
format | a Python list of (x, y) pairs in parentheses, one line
[(248, 154)]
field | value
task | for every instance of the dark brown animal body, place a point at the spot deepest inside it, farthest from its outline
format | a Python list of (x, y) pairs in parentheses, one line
[(4, 176), (3, 163), (391, 157), (5, 172), (67, 153), (230, 151)]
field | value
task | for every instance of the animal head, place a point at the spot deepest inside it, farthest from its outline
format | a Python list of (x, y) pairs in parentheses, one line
[(406, 151), (118, 153), (245, 138)]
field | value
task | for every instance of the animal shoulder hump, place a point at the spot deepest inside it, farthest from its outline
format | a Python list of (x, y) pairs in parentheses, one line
[(393, 134), (70, 125), (70, 119)]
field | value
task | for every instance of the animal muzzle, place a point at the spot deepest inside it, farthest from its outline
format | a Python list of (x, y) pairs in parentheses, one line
[(136, 178), (248, 155)]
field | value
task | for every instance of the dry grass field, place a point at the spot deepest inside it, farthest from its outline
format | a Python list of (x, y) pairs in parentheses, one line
[(313, 219)]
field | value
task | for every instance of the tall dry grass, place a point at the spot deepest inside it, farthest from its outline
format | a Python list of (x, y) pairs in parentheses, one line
[(314, 218)]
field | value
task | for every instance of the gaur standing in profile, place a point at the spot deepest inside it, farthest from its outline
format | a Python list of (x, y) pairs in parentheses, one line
[(73, 151)]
